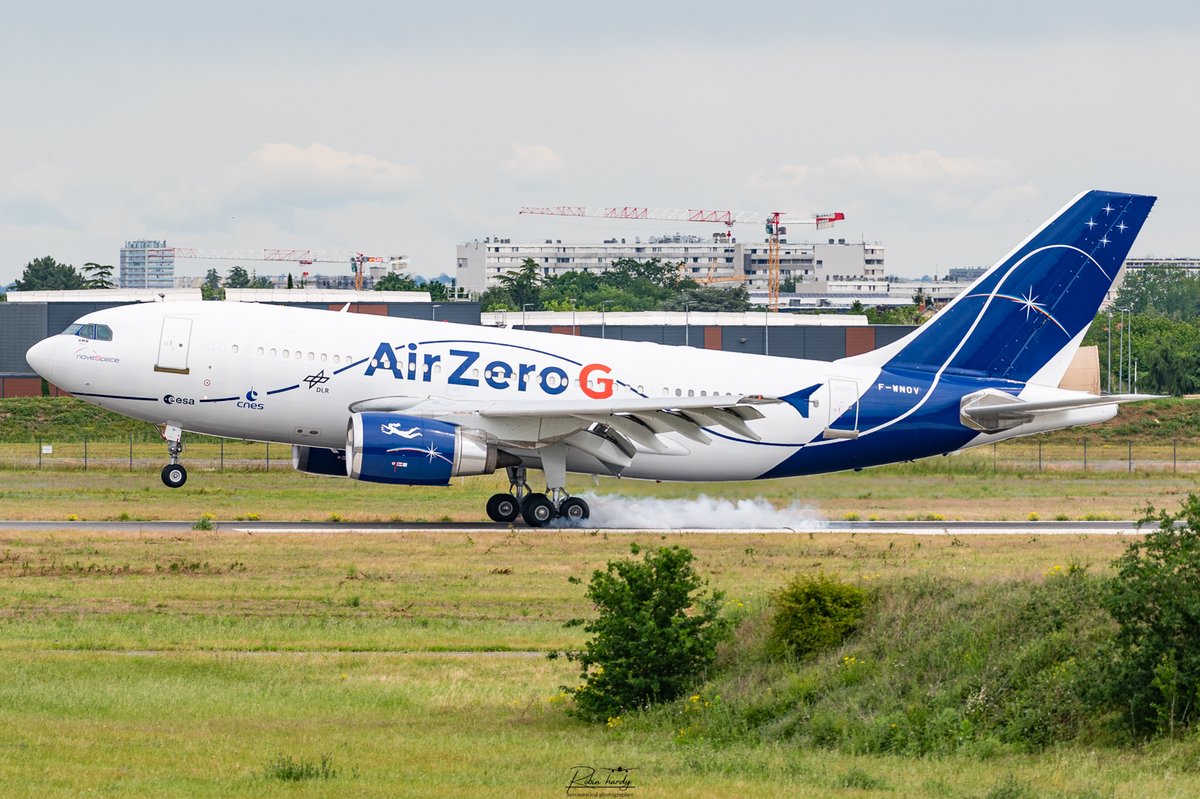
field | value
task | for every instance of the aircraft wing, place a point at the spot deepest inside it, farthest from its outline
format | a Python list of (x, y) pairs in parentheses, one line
[(611, 430), (991, 410)]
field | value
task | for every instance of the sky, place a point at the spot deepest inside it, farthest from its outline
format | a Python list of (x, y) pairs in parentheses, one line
[(945, 130)]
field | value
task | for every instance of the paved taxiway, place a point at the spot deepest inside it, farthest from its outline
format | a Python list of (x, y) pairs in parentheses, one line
[(882, 527)]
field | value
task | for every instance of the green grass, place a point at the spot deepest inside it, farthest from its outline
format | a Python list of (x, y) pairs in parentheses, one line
[(923, 490), (194, 665)]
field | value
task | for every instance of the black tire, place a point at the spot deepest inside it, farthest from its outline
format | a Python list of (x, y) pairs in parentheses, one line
[(174, 475), (537, 510), (574, 509), (503, 508)]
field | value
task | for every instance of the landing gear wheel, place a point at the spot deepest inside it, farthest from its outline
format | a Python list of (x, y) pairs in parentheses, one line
[(174, 475), (537, 510), (503, 508), (573, 508)]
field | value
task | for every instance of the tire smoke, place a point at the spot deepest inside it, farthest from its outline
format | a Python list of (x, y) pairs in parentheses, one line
[(700, 513)]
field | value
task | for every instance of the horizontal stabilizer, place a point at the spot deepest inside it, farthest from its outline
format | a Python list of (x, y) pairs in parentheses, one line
[(991, 410)]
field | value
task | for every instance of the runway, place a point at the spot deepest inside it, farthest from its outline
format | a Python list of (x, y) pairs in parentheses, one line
[(390, 528)]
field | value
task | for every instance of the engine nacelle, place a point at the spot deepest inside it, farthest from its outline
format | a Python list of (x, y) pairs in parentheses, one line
[(391, 448), (319, 460)]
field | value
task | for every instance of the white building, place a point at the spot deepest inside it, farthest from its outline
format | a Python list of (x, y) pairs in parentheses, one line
[(147, 264), (721, 258)]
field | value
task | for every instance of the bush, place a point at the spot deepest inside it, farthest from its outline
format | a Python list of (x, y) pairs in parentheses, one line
[(656, 633), (1155, 599), (815, 613)]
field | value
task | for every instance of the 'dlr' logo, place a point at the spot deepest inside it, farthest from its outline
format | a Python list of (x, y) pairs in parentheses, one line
[(250, 403)]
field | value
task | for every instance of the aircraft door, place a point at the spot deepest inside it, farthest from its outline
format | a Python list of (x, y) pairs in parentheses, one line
[(843, 402), (173, 345)]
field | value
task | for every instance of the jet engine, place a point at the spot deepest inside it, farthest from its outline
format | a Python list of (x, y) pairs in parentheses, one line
[(411, 450), (319, 460)]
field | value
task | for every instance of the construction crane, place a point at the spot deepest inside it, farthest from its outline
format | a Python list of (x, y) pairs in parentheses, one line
[(302, 257), (774, 222)]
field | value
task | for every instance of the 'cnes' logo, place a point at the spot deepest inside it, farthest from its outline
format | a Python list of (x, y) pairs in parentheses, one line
[(171, 399), (251, 403)]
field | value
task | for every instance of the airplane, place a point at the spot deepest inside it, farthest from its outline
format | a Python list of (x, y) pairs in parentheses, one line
[(412, 402)]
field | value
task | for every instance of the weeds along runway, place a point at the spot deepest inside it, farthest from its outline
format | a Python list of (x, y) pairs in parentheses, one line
[(359, 528)]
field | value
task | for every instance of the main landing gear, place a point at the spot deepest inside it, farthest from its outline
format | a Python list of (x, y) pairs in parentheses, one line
[(173, 474), (538, 510)]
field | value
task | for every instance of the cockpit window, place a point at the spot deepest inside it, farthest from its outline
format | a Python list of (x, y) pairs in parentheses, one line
[(89, 331)]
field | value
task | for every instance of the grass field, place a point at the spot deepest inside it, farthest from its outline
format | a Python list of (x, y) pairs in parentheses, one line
[(936, 489), (385, 665), (141, 664)]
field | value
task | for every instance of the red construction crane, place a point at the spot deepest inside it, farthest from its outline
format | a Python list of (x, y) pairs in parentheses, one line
[(774, 222)]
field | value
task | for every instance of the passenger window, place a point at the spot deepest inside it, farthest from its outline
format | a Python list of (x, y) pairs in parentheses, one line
[(324, 357), (234, 349), (260, 352), (287, 353), (337, 359), (273, 353), (311, 356)]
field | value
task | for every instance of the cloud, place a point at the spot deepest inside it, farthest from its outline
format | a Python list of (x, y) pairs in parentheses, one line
[(317, 176), (38, 195), (965, 187), (534, 163)]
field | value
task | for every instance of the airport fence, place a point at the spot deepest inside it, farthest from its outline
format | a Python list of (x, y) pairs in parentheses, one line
[(135, 453)]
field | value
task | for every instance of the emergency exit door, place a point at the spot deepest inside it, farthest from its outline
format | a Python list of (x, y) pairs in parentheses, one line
[(843, 409), (173, 345)]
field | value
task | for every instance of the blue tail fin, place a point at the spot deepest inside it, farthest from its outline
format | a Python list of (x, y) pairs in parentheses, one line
[(1027, 314)]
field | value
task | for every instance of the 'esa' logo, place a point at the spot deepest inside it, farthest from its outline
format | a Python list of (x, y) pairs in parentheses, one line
[(171, 399)]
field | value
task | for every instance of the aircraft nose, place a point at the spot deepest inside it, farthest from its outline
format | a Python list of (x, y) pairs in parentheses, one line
[(41, 357)]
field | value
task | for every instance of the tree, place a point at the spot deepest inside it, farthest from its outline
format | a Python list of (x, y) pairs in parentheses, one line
[(1167, 290), (396, 282), (709, 298), (47, 274), (523, 285), (99, 276), (788, 286), (1167, 370), (496, 299), (257, 282), (211, 288), (1155, 599), (656, 633), (238, 278), (290, 284)]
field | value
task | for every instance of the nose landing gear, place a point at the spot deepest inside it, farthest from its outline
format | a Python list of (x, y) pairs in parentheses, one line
[(173, 474)]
